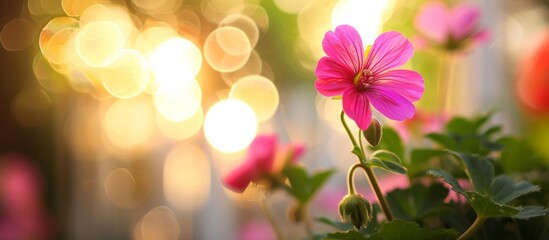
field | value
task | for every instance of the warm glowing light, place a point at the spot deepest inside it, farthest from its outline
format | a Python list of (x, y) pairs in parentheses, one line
[(48, 78), (178, 101), (312, 23), (17, 34), (77, 7), (259, 93), (154, 7), (127, 76), (186, 177), (227, 49), (129, 123), (254, 11), (230, 125), (119, 187), (160, 223), (55, 25), (291, 6), (216, 10), (366, 16), (31, 107), (176, 59), (181, 130), (253, 66), (98, 43), (57, 49), (329, 111), (115, 14), (244, 23)]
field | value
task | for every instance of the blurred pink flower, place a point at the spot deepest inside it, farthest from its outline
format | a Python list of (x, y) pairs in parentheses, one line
[(256, 229), (344, 72), (23, 215), (264, 157), (421, 124), (453, 28)]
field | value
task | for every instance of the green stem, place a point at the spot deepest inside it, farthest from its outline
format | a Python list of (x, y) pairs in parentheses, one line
[(307, 222), (369, 173), (272, 221), (350, 183), (472, 229)]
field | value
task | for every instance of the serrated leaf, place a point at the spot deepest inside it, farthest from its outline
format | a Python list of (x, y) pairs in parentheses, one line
[(448, 178), (387, 165), (443, 140), (505, 189), (485, 207), (462, 126), (404, 230), (527, 212), (479, 170), (418, 201)]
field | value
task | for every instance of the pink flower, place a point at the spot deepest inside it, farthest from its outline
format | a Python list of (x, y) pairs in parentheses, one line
[(344, 72), (451, 28), (264, 158)]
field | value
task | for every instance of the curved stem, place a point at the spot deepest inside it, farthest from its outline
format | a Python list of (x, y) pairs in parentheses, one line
[(307, 222), (369, 173), (272, 221), (350, 183), (472, 229)]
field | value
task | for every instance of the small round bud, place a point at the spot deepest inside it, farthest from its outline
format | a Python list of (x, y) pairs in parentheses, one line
[(373, 133), (354, 208)]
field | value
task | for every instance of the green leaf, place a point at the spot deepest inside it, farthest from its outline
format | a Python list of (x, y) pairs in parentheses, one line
[(491, 131), (387, 165), (418, 201), (419, 159), (356, 151), (336, 224), (391, 141), (403, 230), (386, 155), (505, 189), (303, 186), (484, 206), (299, 181), (479, 170), (461, 126), (443, 140), (350, 235), (531, 211), (448, 178), (318, 179), (518, 155)]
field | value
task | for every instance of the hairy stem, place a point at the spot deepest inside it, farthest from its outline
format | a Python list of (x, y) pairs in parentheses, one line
[(369, 173), (472, 229)]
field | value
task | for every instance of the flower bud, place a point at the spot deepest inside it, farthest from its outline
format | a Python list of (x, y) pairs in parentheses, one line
[(373, 133), (295, 213), (354, 208)]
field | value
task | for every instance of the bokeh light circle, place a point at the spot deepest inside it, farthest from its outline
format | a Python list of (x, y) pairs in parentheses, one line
[(227, 49), (244, 23), (230, 125), (176, 58), (129, 123), (259, 93), (178, 100), (183, 129), (98, 43), (160, 223), (127, 76), (17, 34)]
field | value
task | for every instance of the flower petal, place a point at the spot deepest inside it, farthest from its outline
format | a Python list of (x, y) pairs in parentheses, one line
[(464, 19), (298, 149), (390, 50), (390, 103), (261, 152), (406, 83), (357, 107), (345, 47), (432, 21), (239, 178), (332, 78)]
